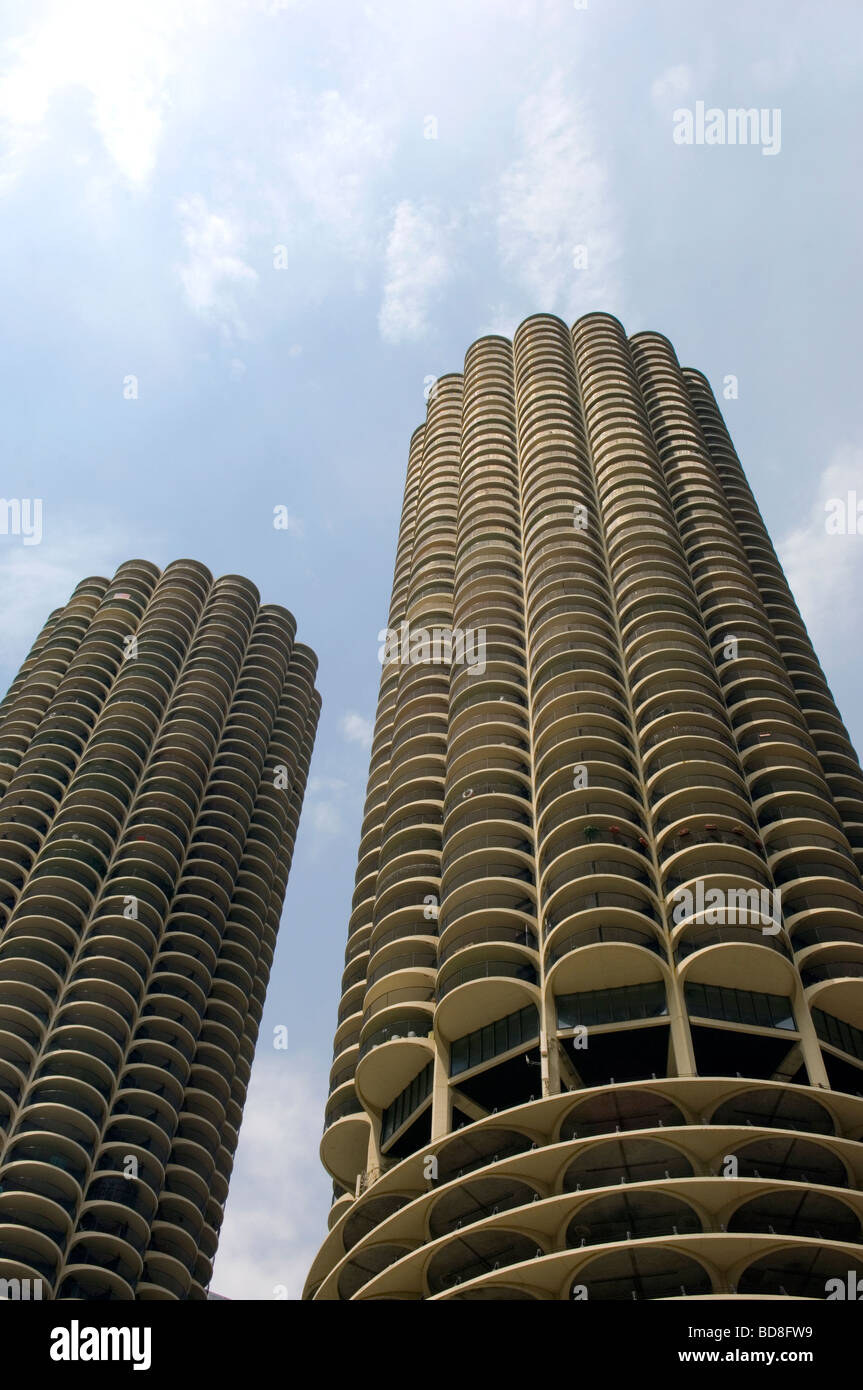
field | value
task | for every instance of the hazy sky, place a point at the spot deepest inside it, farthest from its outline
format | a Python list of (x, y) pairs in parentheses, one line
[(238, 236)]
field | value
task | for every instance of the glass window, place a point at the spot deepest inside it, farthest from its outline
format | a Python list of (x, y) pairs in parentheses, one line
[(495, 1038), (739, 1006)]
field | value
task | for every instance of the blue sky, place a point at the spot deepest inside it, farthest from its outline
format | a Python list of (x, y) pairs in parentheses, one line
[(281, 218)]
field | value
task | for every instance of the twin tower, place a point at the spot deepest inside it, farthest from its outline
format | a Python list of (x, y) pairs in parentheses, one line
[(601, 1025)]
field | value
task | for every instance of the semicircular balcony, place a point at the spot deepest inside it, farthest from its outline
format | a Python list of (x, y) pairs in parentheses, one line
[(617, 1109), (476, 1199), (403, 977), (724, 956), (27, 1253), (673, 664), (684, 839), (602, 954), (789, 1158), (362, 1267), (413, 830), (798, 1271), (821, 902), (584, 740), (468, 853), (773, 1108), (368, 1213), (461, 936), (163, 1278), (671, 630), (810, 1215), (620, 891), (32, 969), (645, 1273), (699, 860), (400, 962), (786, 840), (503, 886), (111, 1211), (832, 977), (46, 1195), (591, 814), (583, 662), (682, 784), (99, 1266), (631, 1216), (465, 1258), (679, 730), (485, 982), (344, 1066), (345, 1143), (817, 868), (623, 1161), (396, 1026), (658, 695), (487, 802), (564, 705)]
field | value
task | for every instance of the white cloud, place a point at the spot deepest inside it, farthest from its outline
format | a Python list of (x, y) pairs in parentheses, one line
[(416, 267), (124, 57), (276, 1214), (214, 270), (334, 150), (553, 199), (322, 808), (672, 86), (823, 569), (356, 729)]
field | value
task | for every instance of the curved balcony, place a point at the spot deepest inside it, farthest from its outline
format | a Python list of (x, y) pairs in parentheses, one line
[(604, 905), (624, 1161), (400, 1037), (800, 1271), (631, 1216), (832, 982), (482, 990), (560, 946), (464, 1259)]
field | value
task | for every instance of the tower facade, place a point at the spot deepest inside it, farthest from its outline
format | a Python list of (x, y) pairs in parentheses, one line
[(601, 1028), (154, 749)]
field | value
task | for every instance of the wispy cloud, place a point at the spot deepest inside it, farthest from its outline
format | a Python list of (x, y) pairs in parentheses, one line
[(325, 799), (214, 270), (356, 729), (417, 265), (125, 58), (336, 150), (556, 223), (671, 86), (822, 568), (279, 1197)]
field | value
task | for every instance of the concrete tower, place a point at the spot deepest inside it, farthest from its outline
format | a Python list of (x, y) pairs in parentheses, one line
[(601, 1029), (153, 757)]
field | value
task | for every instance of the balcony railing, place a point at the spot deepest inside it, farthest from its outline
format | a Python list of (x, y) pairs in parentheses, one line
[(489, 969)]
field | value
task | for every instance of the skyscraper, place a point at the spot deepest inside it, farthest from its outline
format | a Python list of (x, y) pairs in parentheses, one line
[(154, 749), (601, 1029)]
